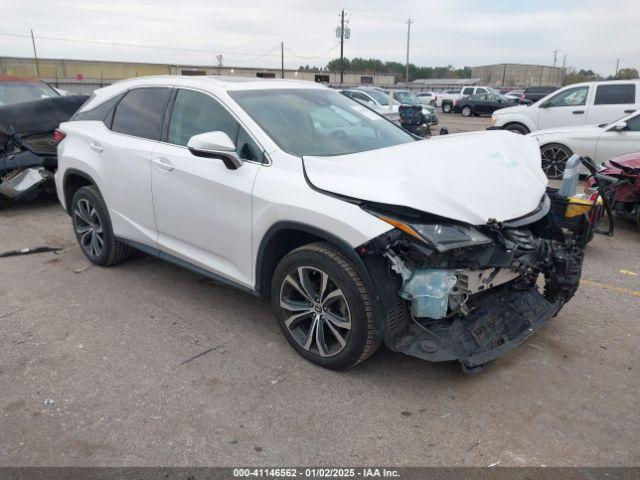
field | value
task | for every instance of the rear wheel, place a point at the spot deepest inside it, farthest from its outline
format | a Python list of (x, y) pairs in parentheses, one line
[(92, 226), (323, 307), (554, 159), (446, 107), (466, 111)]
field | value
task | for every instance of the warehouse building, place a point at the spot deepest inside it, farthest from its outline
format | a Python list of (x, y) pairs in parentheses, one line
[(84, 76), (518, 75)]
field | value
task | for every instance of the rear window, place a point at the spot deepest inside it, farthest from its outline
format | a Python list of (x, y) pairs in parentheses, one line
[(101, 113), (615, 94), (141, 112)]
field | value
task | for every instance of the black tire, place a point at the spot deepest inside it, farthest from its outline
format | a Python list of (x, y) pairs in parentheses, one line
[(311, 263), (554, 159), (467, 111), (517, 128), (90, 219), (447, 107)]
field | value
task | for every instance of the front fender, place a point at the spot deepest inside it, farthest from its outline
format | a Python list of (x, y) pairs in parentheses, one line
[(505, 119)]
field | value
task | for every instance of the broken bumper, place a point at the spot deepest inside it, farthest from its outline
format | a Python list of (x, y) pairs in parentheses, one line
[(502, 323)]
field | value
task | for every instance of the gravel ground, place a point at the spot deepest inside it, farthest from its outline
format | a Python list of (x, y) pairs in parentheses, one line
[(95, 370)]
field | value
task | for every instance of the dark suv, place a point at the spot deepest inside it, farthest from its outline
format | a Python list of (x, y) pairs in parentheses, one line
[(536, 93)]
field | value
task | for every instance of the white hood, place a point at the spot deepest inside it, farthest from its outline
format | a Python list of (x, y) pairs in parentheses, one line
[(470, 177), (514, 109)]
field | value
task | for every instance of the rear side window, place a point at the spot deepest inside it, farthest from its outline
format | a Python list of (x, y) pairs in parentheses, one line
[(481, 90), (615, 94), (467, 91), (141, 112), (101, 113)]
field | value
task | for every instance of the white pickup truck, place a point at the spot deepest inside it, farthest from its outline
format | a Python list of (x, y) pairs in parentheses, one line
[(449, 100)]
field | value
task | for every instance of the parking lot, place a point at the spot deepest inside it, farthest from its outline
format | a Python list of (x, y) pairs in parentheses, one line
[(108, 367)]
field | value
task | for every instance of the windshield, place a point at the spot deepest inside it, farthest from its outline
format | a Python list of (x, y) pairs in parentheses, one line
[(17, 92), (406, 98), (318, 122), (380, 97)]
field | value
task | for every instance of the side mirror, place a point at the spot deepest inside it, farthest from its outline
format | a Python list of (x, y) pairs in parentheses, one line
[(620, 126), (545, 105), (215, 145)]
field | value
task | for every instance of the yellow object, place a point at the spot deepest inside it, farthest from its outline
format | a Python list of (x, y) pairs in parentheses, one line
[(578, 206), (402, 226)]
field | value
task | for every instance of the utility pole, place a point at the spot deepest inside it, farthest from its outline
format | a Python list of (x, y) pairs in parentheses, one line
[(35, 55), (342, 47), (406, 73), (281, 59), (617, 66), (555, 57), (564, 67)]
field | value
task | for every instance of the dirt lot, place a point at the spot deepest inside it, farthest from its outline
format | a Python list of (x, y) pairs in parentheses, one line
[(95, 370)]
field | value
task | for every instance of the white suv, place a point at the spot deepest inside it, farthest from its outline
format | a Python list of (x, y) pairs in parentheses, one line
[(591, 103), (358, 232)]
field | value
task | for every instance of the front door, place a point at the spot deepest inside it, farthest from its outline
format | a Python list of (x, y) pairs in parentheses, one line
[(613, 143), (203, 209), (567, 108)]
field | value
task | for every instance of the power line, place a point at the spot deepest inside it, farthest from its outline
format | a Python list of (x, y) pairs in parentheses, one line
[(322, 55)]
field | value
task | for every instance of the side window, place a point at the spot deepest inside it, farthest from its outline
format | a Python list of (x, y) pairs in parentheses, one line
[(615, 94), (101, 113), (633, 124), (570, 98), (141, 112), (467, 91), (481, 90), (194, 113)]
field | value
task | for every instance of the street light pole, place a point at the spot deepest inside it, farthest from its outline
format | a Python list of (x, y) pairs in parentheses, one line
[(342, 47), (35, 55), (406, 74)]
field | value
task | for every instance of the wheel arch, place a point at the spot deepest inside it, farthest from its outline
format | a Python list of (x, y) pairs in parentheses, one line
[(285, 236), (72, 181), (516, 122)]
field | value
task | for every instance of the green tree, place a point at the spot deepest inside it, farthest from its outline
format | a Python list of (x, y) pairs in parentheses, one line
[(627, 74)]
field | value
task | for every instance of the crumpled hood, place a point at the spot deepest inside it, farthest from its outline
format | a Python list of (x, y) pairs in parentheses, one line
[(470, 177), (38, 116)]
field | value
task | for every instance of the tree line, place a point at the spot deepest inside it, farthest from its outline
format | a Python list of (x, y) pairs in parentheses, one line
[(374, 65)]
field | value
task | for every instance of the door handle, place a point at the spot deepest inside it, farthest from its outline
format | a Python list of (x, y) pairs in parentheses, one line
[(163, 164), (578, 112), (96, 146), (629, 111)]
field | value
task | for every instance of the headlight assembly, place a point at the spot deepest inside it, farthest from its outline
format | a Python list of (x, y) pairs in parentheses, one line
[(442, 237)]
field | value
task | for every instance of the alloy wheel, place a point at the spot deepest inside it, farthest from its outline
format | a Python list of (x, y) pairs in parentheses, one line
[(88, 227), (554, 161), (317, 312)]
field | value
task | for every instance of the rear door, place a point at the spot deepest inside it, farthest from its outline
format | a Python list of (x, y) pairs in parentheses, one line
[(612, 101), (566, 108), (125, 146), (203, 209)]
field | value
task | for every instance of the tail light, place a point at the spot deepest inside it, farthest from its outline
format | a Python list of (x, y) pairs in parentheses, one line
[(58, 136), (457, 103)]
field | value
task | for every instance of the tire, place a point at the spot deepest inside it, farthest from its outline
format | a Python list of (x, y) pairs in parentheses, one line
[(466, 111), (517, 128), (92, 227), (342, 309), (447, 108), (554, 159)]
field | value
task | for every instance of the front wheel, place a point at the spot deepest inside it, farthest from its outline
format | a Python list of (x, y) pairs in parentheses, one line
[(323, 307), (554, 159), (92, 226), (466, 111)]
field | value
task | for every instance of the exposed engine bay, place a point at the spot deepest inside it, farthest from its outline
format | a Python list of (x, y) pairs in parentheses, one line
[(28, 156), (470, 293)]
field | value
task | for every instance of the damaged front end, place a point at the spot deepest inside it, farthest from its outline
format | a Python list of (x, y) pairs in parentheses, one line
[(28, 142), (451, 291)]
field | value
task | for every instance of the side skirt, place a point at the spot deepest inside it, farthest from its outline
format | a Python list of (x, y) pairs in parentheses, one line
[(186, 265)]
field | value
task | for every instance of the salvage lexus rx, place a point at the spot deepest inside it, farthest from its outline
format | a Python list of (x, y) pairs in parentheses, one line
[(358, 232)]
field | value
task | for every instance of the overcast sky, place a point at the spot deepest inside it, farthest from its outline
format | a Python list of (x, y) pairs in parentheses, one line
[(592, 33)]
